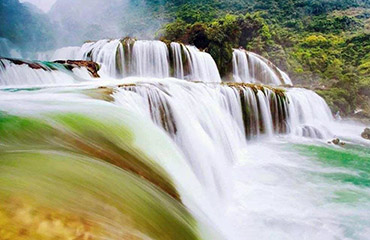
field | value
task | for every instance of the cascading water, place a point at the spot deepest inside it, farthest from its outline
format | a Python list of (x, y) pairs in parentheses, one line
[(241, 67), (12, 74), (150, 59), (191, 64), (309, 115), (178, 66), (108, 53), (202, 66), (144, 59), (249, 67), (23, 73), (209, 136), (163, 158)]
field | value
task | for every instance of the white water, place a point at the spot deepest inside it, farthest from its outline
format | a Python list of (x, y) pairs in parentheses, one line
[(206, 122), (250, 67), (309, 115), (147, 59), (178, 66), (280, 194), (258, 189), (202, 66), (209, 136), (241, 67), (105, 53), (150, 59), (22, 75)]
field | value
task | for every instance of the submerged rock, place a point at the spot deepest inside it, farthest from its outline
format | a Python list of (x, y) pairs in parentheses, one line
[(366, 134)]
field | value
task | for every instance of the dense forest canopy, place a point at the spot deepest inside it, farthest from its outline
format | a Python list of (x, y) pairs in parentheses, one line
[(322, 44)]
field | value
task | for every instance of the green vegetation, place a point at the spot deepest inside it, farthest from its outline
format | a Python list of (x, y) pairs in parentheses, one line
[(323, 45)]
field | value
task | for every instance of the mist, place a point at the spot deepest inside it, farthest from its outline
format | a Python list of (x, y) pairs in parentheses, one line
[(72, 22), (44, 5), (83, 20)]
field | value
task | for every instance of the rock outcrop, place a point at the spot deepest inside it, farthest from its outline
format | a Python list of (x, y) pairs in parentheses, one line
[(92, 67)]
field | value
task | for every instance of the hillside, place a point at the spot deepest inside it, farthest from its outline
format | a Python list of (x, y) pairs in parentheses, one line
[(26, 26), (323, 45)]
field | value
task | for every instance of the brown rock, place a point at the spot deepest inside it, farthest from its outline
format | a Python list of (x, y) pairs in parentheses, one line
[(366, 134), (336, 141), (92, 67)]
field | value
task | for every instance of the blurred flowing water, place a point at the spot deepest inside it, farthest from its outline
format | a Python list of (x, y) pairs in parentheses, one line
[(153, 157)]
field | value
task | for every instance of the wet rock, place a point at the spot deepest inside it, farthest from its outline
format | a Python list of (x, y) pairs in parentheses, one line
[(92, 67), (336, 141), (30, 64), (366, 134)]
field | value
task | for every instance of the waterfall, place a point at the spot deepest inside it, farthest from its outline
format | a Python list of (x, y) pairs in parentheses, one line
[(194, 65), (159, 147), (253, 110), (203, 127), (211, 123), (143, 58), (108, 53), (250, 67), (156, 150), (103, 153), (178, 66), (150, 59), (241, 67), (309, 115), (202, 66), (12, 74)]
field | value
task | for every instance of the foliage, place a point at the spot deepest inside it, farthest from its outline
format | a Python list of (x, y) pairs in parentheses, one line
[(323, 45)]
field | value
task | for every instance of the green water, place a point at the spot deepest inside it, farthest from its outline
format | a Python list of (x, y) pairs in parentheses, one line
[(94, 164), (352, 168)]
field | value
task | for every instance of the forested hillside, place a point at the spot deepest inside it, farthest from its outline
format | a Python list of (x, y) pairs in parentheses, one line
[(322, 44)]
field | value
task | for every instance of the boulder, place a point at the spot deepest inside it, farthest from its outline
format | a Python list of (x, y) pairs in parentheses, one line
[(336, 141), (366, 134)]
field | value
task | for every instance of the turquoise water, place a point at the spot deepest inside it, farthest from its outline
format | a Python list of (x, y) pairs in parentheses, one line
[(299, 189)]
